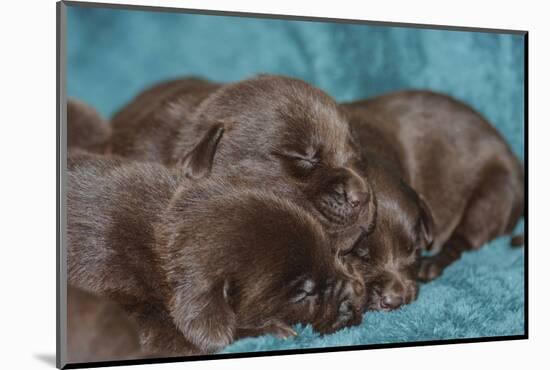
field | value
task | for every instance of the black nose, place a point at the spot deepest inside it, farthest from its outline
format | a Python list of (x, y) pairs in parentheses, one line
[(391, 301)]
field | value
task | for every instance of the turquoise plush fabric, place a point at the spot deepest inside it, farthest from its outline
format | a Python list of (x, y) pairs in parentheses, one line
[(113, 54)]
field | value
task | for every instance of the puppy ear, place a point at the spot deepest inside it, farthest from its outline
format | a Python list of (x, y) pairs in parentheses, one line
[(203, 314), (426, 222), (197, 163)]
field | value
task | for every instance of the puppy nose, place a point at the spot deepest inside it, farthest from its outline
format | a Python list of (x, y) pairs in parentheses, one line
[(357, 198), (391, 301)]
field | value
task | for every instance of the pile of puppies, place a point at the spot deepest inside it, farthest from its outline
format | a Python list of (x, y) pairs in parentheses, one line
[(210, 212)]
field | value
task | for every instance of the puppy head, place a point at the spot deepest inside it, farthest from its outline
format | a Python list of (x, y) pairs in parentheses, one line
[(295, 279), (292, 136), (250, 261), (391, 252)]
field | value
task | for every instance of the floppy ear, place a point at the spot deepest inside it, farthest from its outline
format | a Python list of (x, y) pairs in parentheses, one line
[(197, 163), (203, 314), (426, 222)]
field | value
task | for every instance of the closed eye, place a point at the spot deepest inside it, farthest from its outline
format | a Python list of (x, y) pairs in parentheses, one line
[(363, 253), (309, 155), (306, 289), (303, 161), (302, 296)]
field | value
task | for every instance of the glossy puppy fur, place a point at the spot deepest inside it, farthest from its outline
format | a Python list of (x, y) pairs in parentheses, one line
[(457, 163), (404, 224), (275, 130), (98, 329), (199, 264), (86, 130)]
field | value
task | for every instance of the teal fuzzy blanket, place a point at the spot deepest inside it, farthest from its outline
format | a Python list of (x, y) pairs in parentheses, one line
[(113, 54)]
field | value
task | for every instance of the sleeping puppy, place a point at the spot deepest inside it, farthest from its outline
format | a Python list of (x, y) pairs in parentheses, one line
[(275, 130), (390, 254), (86, 130), (147, 127), (98, 330), (199, 264), (455, 160)]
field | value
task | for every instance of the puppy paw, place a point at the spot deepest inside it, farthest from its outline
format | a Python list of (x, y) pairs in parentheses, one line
[(281, 330), (429, 269), (209, 338)]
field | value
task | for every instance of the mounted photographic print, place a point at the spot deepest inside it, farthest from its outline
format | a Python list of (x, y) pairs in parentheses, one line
[(251, 184)]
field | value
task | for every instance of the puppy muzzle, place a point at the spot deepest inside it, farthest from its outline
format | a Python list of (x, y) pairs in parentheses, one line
[(343, 306), (345, 197)]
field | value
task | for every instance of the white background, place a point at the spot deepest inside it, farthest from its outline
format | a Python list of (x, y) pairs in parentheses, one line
[(27, 181)]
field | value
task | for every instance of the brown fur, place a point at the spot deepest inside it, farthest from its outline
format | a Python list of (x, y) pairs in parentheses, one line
[(455, 160), (404, 223), (86, 130), (98, 330), (147, 127), (275, 130), (200, 263)]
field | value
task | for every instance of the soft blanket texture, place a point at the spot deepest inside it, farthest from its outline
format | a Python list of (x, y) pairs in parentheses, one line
[(113, 54)]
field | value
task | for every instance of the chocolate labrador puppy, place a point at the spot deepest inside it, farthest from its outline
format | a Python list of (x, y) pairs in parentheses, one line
[(98, 330), (404, 224), (278, 130), (86, 130), (200, 263), (455, 160)]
